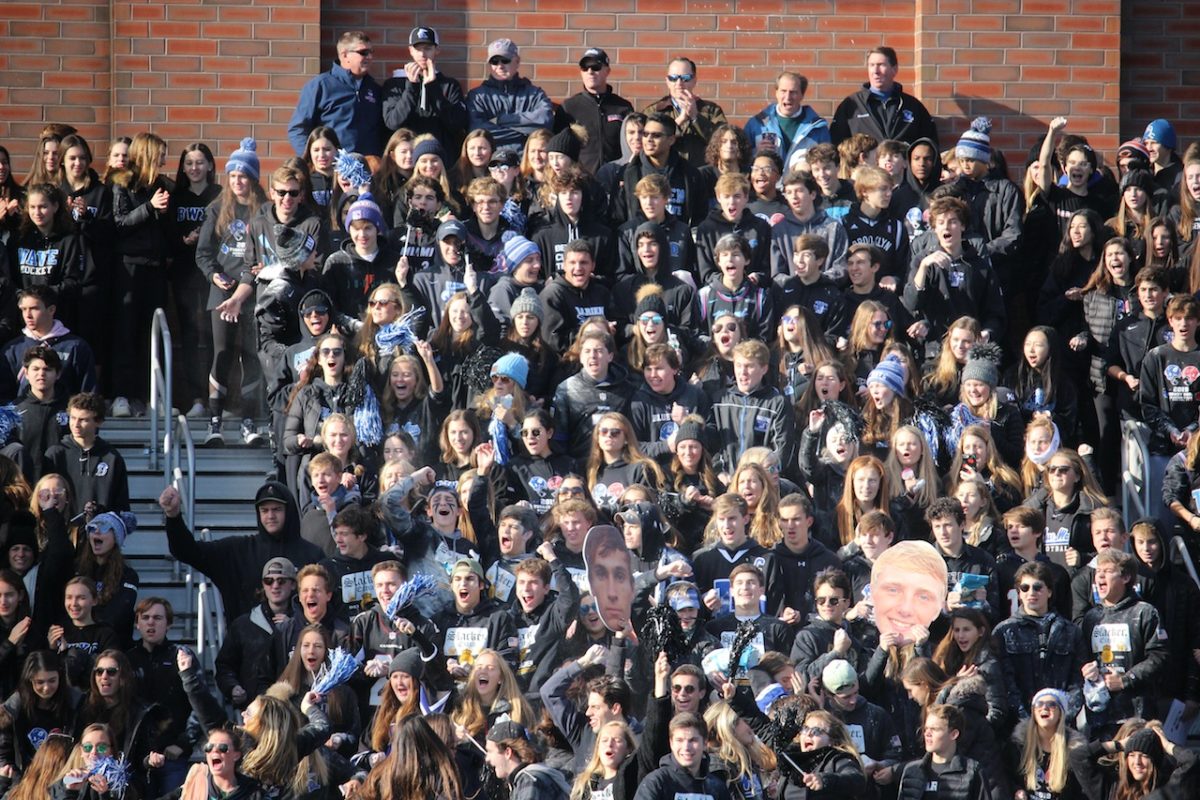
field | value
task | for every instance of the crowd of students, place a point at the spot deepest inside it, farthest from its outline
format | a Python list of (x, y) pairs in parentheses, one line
[(863, 405)]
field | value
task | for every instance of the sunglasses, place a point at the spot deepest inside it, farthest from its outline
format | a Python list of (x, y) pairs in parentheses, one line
[(497, 60), (587, 609), (332, 351), (885, 325), (275, 581), (789, 319), (611, 432), (501, 379), (651, 319), (223, 747), (573, 491), (380, 303), (500, 167), (532, 432), (1031, 587), (684, 689), (287, 192), (366, 52), (761, 170), (318, 310), (109, 671), (729, 327), (655, 135), (1058, 469), (1046, 704), (592, 68), (809, 730), (89, 747), (687, 76), (827, 601)]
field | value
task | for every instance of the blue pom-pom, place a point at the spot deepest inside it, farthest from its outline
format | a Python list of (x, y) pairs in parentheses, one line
[(248, 144), (339, 669), (415, 587), (10, 422), (352, 169), (368, 424), (399, 335), (499, 433), (114, 770)]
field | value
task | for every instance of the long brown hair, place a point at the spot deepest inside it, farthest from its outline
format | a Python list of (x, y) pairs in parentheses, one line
[(444, 339), (420, 765), (228, 202), (391, 712), (847, 511), (44, 769), (118, 715), (296, 675), (630, 452), (949, 656)]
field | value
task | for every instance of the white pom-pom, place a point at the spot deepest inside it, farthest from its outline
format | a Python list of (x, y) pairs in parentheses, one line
[(982, 125)]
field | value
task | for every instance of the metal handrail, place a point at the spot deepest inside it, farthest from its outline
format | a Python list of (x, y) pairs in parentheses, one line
[(179, 458), (1135, 476), (161, 378)]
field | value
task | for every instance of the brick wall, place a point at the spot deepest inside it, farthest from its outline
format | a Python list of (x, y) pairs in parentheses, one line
[(1160, 67), (216, 71)]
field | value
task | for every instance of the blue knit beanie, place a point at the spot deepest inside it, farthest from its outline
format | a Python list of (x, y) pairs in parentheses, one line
[(890, 373), (512, 365), (1160, 131), (975, 142), (365, 208), (244, 159), (516, 250)]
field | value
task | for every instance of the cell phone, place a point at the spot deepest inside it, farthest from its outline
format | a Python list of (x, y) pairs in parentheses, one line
[(971, 462)]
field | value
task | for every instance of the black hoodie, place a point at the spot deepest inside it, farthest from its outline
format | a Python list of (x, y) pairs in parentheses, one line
[(754, 230), (348, 278), (553, 239), (677, 296), (96, 474), (679, 254), (235, 563)]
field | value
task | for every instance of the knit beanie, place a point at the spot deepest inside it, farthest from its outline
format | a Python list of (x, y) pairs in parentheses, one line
[(21, 528), (365, 208), (890, 373), (1140, 178), (512, 365), (1160, 131), (244, 159), (983, 364), (527, 302), (650, 299), (564, 142), (1135, 147), (1145, 741), (315, 298), (975, 142), (427, 147), (119, 523), (516, 250), (690, 430), (409, 662), (1058, 696), (293, 246)]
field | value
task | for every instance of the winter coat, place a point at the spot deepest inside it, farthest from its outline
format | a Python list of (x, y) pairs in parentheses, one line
[(580, 399), (1131, 632), (509, 110), (142, 230), (897, 116), (963, 779), (977, 740), (841, 774), (352, 107), (679, 255), (764, 127), (763, 417), (349, 279), (247, 641), (1035, 653), (969, 287), (603, 116), (783, 243), (437, 108)]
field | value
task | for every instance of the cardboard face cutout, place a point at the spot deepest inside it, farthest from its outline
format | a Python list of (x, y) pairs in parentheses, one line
[(908, 589), (610, 575)]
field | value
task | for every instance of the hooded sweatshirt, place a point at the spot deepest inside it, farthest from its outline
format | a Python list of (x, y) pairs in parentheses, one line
[(749, 226), (673, 782), (234, 563), (94, 474), (78, 373), (348, 278)]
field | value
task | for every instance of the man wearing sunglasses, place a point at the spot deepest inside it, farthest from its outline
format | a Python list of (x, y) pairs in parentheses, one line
[(695, 118), (505, 104), (598, 109), (1037, 647), (346, 98)]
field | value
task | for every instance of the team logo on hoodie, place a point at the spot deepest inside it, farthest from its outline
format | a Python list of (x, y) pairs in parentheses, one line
[(61, 418), (101, 469)]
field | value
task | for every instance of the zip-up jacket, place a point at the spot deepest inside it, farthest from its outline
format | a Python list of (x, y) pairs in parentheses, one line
[(897, 116), (783, 243), (762, 418), (436, 108), (509, 110), (1131, 634), (352, 107), (811, 129)]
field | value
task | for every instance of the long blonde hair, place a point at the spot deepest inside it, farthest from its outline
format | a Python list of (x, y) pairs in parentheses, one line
[(944, 378), (471, 713), (1058, 770), (582, 789), (764, 522), (145, 154), (722, 722), (275, 728)]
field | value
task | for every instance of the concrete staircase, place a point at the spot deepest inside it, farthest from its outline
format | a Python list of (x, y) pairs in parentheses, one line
[(226, 480)]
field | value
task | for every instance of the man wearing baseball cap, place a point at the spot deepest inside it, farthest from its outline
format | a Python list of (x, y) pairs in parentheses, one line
[(598, 109), (424, 99), (871, 728), (505, 104), (248, 639), (475, 622)]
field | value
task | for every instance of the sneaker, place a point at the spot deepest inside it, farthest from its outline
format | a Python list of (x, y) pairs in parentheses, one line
[(121, 408), (250, 434), (197, 411), (214, 437)]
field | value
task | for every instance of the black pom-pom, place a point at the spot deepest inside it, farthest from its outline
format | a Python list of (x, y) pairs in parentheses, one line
[(477, 368), (662, 633), (743, 637)]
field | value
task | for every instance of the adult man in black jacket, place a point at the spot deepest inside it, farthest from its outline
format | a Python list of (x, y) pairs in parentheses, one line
[(598, 109), (882, 109), (424, 99)]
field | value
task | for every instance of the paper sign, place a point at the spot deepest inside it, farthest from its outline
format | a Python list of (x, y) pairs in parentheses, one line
[(465, 643)]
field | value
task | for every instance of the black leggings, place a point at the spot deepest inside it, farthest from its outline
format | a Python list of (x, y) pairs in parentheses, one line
[(234, 343)]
